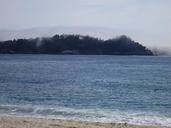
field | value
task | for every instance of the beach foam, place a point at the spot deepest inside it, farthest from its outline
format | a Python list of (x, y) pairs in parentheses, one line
[(92, 115)]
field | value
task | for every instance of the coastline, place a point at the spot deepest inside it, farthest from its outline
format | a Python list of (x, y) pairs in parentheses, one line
[(31, 122)]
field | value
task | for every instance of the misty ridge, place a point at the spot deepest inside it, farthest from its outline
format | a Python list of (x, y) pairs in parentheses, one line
[(74, 44)]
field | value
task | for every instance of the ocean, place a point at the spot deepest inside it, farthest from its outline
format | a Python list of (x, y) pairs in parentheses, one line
[(98, 88)]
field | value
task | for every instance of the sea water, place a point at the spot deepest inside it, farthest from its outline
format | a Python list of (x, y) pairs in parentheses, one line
[(103, 88)]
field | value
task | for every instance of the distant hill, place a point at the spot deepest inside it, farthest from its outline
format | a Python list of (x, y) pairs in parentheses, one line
[(74, 44)]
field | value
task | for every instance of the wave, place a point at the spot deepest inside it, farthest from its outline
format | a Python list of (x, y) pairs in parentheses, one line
[(92, 115)]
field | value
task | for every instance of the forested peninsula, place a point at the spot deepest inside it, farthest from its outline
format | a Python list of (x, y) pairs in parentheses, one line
[(74, 44)]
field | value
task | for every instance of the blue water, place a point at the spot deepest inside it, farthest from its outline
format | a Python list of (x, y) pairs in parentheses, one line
[(132, 89)]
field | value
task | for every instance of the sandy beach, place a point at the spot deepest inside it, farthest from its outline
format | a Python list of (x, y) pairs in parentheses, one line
[(28, 122)]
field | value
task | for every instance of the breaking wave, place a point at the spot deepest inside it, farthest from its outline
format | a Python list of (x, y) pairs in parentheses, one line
[(93, 115)]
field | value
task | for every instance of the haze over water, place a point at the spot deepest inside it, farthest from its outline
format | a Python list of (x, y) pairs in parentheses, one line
[(132, 89)]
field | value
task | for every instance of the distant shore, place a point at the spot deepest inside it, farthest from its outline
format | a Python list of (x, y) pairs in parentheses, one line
[(29, 122), (75, 45)]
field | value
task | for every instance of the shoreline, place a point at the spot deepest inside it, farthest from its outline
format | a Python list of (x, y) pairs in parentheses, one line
[(40, 122)]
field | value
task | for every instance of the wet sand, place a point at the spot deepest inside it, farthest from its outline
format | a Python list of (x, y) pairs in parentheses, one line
[(28, 122)]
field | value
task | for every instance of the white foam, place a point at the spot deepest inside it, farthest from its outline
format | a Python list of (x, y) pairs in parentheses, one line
[(92, 115)]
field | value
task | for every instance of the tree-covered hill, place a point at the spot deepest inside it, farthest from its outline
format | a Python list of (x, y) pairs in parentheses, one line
[(74, 44)]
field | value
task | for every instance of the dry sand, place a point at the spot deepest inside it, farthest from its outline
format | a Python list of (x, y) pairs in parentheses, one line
[(27, 122)]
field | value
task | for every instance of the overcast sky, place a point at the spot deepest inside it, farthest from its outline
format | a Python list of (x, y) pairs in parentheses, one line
[(146, 21)]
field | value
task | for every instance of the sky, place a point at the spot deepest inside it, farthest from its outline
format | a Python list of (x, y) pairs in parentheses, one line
[(146, 21)]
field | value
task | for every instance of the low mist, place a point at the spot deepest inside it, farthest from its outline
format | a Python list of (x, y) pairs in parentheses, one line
[(161, 51)]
